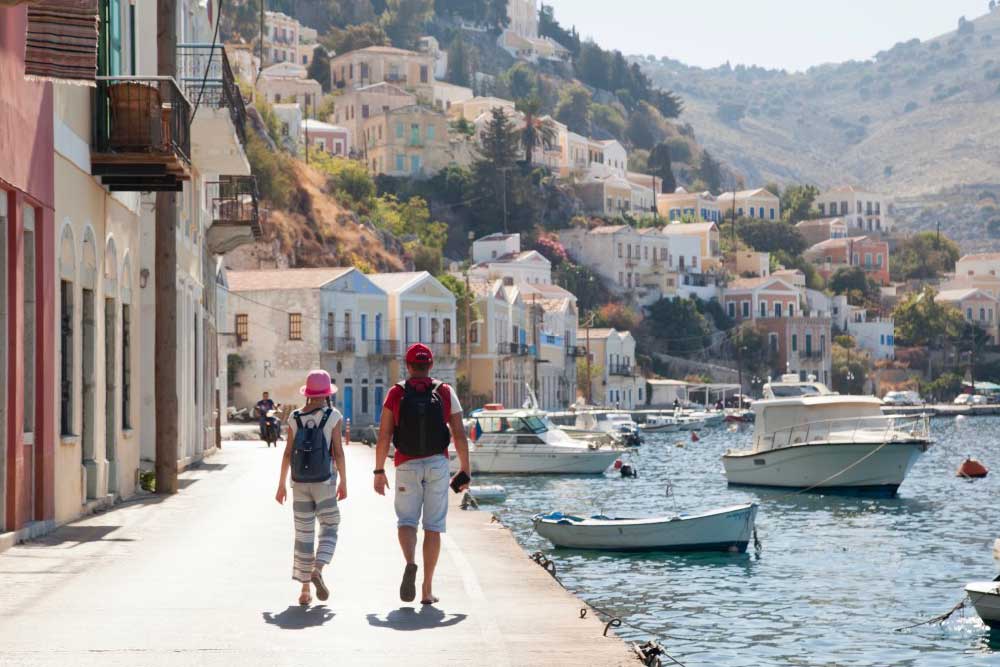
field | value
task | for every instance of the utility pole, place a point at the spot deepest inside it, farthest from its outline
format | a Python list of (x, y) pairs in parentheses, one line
[(535, 339), (165, 270), (739, 364), (503, 170), (590, 380)]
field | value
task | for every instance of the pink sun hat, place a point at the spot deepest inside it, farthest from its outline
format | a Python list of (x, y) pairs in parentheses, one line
[(318, 384)]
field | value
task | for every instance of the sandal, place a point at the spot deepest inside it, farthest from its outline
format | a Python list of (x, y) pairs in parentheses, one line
[(408, 587), (322, 592)]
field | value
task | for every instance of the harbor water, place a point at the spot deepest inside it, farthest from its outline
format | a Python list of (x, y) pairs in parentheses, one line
[(834, 578)]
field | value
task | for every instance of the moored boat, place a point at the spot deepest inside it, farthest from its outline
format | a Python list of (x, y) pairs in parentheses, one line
[(725, 529), (985, 597), (525, 442), (807, 437), (660, 424)]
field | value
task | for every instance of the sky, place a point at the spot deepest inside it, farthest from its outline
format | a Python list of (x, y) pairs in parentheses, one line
[(779, 34)]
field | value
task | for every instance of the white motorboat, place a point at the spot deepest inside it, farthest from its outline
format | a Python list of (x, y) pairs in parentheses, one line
[(807, 437), (985, 597), (525, 442), (726, 529), (660, 424), (689, 422), (709, 418)]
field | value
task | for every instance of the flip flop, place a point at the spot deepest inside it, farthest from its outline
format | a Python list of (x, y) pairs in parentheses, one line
[(322, 592), (408, 587), (431, 600)]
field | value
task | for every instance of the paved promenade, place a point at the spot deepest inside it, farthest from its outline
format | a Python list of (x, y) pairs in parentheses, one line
[(203, 578)]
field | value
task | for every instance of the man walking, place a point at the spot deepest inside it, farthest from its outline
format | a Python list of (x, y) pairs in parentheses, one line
[(420, 417)]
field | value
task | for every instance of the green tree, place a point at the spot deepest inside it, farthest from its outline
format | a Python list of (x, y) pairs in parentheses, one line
[(859, 288), (319, 68), (771, 236), (679, 326), (404, 20), (797, 203), (537, 132), (573, 109), (581, 280), (645, 126), (355, 37), (920, 320), (459, 65), (499, 187), (608, 118), (710, 171), (924, 255), (521, 81), (849, 368), (659, 165), (548, 26)]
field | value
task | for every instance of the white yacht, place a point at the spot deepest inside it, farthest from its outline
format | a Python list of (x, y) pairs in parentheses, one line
[(807, 437), (524, 441)]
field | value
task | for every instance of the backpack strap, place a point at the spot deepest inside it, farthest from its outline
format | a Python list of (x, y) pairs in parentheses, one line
[(326, 415), (298, 420)]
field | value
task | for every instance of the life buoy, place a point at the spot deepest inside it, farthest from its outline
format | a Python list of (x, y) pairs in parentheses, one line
[(972, 468)]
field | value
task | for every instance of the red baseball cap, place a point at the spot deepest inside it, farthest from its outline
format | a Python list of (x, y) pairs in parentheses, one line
[(419, 354)]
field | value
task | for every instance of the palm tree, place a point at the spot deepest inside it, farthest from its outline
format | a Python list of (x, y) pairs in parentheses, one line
[(537, 131)]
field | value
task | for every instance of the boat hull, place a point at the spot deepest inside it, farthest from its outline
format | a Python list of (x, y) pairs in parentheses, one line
[(729, 529), (985, 597), (827, 466), (539, 461)]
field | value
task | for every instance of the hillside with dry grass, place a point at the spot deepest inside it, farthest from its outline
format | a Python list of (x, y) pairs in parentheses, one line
[(918, 121)]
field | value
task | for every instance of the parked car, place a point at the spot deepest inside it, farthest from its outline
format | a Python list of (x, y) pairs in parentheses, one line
[(970, 399), (902, 398)]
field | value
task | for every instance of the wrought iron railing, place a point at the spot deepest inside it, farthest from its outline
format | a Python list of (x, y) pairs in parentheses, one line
[(234, 200), (383, 348), (513, 350), (340, 345), (141, 114), (620, 369), (811, 354), (207, 78), (576, 351)]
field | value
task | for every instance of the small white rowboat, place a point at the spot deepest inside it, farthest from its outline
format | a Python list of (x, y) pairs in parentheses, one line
[(726, 529), (985, 597)]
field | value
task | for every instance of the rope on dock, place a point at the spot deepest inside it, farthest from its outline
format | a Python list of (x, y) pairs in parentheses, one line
[(648, 652)]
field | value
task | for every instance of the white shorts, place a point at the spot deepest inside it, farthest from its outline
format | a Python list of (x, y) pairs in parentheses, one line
[(422, 488)]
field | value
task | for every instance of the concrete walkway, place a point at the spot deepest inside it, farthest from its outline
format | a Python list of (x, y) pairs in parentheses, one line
[(203, 578)]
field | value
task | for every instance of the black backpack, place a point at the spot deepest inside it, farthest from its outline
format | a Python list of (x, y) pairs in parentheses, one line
[(421, 430), (311, 460)]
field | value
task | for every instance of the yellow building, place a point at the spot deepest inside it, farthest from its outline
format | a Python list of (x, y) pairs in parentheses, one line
[(408, 141), (374, 64)]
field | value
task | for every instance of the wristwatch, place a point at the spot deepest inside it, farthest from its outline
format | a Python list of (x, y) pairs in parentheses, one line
[(380, 471)]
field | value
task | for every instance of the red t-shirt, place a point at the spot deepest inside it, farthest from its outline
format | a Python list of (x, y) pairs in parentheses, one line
[(395, 396)]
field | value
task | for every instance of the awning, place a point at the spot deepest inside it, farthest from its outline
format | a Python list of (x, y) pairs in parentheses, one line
[(61, 42)]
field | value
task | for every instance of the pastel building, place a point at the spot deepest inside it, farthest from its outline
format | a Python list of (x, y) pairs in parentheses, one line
[(822, 229), (288, 322), (499, 256), (331, 139), (408, 141), (615, 378), (410, 70), (354, 107), (868, 253), (977, 308), (688, 206), (287, 83), (759, 203), (862, 210)]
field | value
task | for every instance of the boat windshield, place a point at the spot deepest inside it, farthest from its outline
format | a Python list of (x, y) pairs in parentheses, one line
[(792, 390), (529, 424)]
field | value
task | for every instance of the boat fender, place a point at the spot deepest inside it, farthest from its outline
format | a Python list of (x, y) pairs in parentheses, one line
[(618, 464), (628, 471), (972, 469), (694, 436)]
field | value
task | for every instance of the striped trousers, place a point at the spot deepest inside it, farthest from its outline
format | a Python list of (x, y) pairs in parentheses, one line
[(311, 503)]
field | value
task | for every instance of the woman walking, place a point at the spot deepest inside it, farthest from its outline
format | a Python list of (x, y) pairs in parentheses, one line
[(312, 452)]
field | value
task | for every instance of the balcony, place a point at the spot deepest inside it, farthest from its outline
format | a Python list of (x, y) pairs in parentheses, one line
[(576, 351), (235, 211), (142, 134), (814, 355), (513, 350), (383, 348), (344, 345), (395, 77), (620, 369), (445, 350), (207, 80)]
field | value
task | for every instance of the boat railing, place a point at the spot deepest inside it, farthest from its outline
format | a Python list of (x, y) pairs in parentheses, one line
[(884, 428)]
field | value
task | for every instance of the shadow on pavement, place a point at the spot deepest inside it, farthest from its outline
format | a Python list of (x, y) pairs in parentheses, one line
[(209, 466), (79, 535), (408, 618), (297, 617)]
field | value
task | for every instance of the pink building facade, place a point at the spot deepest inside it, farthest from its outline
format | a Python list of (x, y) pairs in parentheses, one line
[(27, 288)]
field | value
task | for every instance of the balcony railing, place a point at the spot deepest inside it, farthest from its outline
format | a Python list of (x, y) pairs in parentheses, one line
[(620, 369), (207, 78), (811, 354), (142, 134), (576, 351), (444, 350), (513, 350), (235, 208), (395, 77), (345, 345)]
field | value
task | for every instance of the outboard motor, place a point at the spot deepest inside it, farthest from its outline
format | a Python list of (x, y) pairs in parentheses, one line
[(628, 471)]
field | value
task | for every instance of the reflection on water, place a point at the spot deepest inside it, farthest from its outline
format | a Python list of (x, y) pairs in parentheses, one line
[(837, 574)]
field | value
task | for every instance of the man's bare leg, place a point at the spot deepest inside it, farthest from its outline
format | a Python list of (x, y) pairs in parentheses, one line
[(408, 543), (432, 549)]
